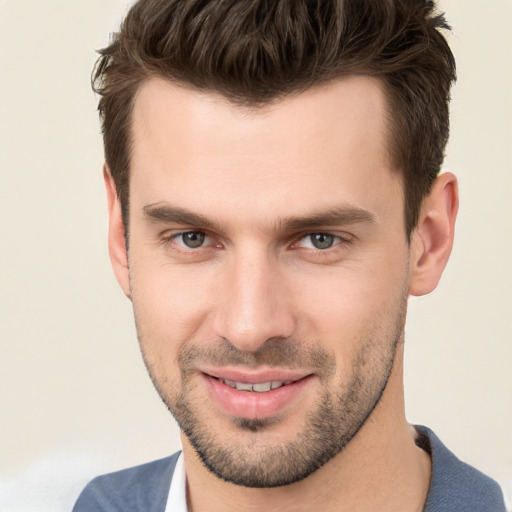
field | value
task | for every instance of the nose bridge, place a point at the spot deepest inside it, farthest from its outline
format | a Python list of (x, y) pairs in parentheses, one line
[(255, 306)]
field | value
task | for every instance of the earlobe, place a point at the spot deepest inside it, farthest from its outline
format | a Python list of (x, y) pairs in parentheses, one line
[(116, 234), (432, 240)]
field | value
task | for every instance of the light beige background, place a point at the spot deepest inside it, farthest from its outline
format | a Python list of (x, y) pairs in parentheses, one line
[(75, 400)]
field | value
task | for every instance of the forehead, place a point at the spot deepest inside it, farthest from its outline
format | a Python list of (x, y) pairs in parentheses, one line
[(327, 144), (177, 112)]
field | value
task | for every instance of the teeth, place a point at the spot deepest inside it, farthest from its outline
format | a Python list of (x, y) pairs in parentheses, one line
[(261, 387), (243, 387)]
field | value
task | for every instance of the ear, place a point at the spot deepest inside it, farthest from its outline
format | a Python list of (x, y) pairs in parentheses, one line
[(432, 240), (116, 234)]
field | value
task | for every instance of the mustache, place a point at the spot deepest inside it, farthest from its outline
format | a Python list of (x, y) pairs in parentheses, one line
[(275, 352)]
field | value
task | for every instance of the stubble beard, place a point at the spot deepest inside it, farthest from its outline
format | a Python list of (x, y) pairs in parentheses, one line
[(323, 436), (332, 423)]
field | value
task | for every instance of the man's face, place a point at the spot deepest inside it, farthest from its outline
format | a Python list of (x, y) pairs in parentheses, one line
[(268, 271)]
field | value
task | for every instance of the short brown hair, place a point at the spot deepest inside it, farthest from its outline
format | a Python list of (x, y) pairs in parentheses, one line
[(256, 51)]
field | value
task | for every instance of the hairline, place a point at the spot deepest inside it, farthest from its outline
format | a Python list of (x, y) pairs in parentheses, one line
[(252, 105)]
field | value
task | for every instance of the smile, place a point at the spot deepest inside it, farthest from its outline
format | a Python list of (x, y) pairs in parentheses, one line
[(261, 387), (246, 394)]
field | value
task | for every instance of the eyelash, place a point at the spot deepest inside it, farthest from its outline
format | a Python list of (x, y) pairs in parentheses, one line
[(339, 242), (175, 236)]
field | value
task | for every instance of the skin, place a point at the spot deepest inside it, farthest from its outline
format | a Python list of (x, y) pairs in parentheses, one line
[(258, 181)]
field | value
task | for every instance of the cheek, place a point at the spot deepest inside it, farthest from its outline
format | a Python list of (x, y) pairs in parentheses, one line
[(170, 307), (346, 307)]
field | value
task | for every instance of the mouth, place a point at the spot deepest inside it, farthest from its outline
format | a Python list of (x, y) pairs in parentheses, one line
[(256, 395), (260, 387)]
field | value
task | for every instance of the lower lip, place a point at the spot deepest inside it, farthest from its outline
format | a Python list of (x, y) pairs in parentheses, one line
[(251, 404)]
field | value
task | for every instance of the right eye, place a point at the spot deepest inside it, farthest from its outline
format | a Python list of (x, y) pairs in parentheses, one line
[(191, 239), (320, 241)]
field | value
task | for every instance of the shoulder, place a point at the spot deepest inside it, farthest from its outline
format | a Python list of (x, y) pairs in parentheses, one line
[(143, 487), (456, 485)]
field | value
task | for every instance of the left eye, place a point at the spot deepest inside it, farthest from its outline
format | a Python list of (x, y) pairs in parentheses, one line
[(191, 239), (320, 241)]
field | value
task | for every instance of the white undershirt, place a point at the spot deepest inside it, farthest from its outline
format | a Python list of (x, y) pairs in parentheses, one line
[(177, 499)]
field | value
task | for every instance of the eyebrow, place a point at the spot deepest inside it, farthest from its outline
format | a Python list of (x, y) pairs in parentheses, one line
[(339, 216), (162, 212)]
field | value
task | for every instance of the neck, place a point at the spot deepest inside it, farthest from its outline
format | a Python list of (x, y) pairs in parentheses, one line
[(380, 469)]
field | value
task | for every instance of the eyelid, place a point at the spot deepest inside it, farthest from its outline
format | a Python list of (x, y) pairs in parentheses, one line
[(174, 238), (178, 234), (342, 238)]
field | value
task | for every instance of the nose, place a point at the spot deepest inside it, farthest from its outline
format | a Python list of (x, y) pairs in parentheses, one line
[(254, 306)]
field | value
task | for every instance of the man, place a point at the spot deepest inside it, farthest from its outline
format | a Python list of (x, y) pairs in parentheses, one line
[(272, 171)]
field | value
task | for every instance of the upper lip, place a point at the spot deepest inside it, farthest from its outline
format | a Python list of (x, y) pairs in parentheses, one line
[(255, 376)]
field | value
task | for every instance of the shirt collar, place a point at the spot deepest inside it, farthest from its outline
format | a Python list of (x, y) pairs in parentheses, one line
[(177, 499)]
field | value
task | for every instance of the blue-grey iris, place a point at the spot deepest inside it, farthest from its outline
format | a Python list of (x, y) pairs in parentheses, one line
[(193, 239), (322, 240)]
